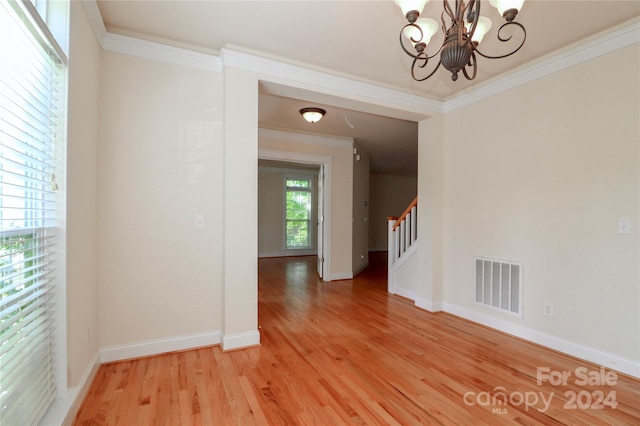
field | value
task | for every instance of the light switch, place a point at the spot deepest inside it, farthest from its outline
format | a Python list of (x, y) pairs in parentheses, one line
[(198, 221), (624, 225)]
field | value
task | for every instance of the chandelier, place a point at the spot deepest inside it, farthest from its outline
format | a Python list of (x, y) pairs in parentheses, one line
[(461, 38)]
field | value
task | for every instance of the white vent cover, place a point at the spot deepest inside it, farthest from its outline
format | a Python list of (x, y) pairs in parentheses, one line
[(499, 284)]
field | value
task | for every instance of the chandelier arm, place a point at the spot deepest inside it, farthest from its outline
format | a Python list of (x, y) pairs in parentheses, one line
[(413, 68), (473, 14), (402, 43), (502, 39), (448, 11), (473, 11), (460, 22), (419, 55), (473, 65)]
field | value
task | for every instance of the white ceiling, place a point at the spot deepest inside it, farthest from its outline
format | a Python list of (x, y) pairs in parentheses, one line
[(356, 39)]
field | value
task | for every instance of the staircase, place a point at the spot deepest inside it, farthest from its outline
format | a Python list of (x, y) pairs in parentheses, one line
[(402, 246)]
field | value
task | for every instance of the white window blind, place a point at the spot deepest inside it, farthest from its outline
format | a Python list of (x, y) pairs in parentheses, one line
[(31, 97)]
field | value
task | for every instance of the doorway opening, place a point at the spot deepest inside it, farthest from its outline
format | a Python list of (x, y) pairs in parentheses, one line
[(286, 181)]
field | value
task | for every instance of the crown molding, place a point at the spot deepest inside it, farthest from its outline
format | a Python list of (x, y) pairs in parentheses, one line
[(161, 52), (95, 19), (600, 45), (147, 49), (321, 82), (363, 96)]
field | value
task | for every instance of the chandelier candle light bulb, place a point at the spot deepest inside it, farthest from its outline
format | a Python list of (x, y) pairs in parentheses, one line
[(507, 8), (463, 32), (413, 7), (425, 29), (484, 25)]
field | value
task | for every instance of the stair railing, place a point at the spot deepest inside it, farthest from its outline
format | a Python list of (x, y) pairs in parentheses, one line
[(403, 232)]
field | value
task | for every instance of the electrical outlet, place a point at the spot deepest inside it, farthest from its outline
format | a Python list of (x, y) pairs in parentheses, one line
[(547, 309)]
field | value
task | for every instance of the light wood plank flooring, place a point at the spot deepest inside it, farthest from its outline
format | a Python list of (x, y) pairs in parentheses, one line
[(349, 353)]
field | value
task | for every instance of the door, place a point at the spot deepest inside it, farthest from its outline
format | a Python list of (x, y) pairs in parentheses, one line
[(320, 234)]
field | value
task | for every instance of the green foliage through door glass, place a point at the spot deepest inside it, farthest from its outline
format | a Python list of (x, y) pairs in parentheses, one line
[(298, 212)]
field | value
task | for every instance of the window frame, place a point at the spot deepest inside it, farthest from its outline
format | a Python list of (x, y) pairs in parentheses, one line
[(48, 23), (310, 231)]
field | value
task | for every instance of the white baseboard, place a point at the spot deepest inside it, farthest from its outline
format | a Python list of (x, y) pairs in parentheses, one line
[(614, 362), (235, 341), (403, 292), (289, 253), (155, 347), (340, 276), (428, 305), (64, 408)]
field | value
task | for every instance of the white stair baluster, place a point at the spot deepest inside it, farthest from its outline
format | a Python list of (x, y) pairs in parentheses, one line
[(414, 222)]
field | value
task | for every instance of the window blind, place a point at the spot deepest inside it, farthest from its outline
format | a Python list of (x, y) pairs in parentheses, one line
[(31, 96)]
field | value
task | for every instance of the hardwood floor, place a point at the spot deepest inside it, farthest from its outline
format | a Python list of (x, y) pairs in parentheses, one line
[(346, 352)]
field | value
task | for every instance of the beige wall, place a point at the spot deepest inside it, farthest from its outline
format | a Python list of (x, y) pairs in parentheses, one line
[(160, 164), (82, 197), (389, 196), (541, 174), (270, 212), (431, 220), (360, 211), (240, 197)]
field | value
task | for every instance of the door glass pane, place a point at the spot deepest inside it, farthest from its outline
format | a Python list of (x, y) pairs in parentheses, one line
[(298, 213)]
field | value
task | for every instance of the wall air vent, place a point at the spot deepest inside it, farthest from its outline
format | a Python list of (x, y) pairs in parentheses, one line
[(499, 284)]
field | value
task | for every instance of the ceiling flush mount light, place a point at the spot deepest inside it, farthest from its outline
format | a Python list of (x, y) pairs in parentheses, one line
[(312, 115), (461, 37)]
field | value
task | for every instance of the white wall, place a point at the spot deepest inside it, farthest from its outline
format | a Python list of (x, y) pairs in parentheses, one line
[(549, 169), (82, 197), (389, 196), (160, 164)]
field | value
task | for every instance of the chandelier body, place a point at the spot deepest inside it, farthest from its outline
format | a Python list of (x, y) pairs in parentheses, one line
[(463, 28)]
